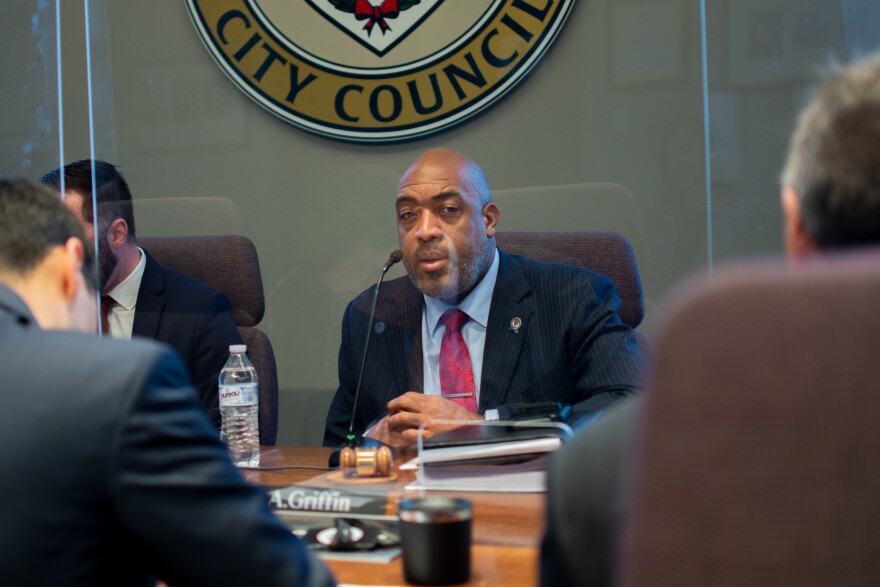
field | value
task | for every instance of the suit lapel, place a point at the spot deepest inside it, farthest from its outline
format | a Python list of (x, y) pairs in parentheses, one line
[(406, 336), (150, 300), (510, 300)]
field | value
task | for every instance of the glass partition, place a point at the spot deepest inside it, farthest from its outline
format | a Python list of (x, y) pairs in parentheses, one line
[(764, 59), (30, 137), (608, 131)]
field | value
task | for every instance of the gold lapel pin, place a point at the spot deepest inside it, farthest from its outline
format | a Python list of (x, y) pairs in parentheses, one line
[(515, 325)]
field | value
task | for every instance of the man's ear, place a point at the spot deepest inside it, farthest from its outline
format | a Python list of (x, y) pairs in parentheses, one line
[(798, 243), (491, 213), (74, 254), (117, 233)]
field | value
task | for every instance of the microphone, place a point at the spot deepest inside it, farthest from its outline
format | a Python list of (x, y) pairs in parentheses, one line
[(394, 258), (352, 440)]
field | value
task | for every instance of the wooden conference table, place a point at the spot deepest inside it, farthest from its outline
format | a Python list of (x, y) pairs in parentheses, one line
[(507, 526)]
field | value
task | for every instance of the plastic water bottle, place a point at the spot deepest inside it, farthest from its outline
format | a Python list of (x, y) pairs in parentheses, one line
[(239, 408)]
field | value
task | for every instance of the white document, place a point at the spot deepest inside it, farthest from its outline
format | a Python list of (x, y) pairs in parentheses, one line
[(483, 451), (526, 477)]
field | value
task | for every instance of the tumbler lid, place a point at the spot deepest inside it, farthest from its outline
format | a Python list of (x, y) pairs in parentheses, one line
[(428, 510)]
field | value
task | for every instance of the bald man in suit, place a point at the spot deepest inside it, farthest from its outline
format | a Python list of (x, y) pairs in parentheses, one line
[(534, 331)]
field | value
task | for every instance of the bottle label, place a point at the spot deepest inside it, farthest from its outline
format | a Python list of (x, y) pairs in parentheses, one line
[(238, 395)]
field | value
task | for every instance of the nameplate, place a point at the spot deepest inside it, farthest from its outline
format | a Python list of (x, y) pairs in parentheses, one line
[(323, 501)]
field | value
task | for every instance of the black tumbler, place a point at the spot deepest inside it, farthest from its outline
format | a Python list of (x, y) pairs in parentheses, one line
[(435, 533)]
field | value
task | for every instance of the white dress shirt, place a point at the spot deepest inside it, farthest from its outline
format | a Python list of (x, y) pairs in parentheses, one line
[(121, 316)]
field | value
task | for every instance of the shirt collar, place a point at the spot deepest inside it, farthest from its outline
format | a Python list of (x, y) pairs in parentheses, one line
[(475, 305), (125, 294)]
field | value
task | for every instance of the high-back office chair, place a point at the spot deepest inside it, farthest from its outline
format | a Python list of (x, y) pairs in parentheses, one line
[(230, 264), (605, 252), (758, 460), (579, 207)]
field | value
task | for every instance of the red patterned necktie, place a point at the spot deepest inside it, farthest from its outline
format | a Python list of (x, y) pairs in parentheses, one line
[(456, 374), (106, 303)]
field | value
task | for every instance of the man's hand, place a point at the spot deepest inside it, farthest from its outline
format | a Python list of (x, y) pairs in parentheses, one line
[(409, 411)]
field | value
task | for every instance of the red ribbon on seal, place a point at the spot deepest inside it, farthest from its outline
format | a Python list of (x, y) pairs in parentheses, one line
[(374, 15)]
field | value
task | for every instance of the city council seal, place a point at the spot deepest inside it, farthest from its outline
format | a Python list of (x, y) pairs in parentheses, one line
[(377, 71)]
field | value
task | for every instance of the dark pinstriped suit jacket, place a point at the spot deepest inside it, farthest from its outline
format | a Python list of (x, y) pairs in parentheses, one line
[(571, 347)]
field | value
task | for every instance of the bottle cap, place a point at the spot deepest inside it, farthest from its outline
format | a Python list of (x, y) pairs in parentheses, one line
[(238, 348)]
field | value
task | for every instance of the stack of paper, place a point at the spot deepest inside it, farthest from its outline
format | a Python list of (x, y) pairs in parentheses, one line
[(486, 458)]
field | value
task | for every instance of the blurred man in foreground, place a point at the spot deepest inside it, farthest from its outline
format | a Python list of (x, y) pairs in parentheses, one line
[(830, 200), (112, 474)]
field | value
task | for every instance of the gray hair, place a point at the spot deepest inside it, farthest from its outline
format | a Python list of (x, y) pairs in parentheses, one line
[(834, 158)]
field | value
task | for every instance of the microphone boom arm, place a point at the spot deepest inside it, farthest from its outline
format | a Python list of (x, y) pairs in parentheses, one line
[(395, 256)]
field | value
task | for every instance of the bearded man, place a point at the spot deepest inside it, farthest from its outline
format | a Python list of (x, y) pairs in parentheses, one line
[(470, 327), (140, 296)]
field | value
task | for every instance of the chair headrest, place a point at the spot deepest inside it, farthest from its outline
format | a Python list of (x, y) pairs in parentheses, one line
[(228, 263), (605, 252)]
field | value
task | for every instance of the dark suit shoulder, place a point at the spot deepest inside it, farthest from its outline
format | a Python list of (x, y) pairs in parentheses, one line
[(552, 281), (87, 352), (88, 379), (76, 355), (394, 293)]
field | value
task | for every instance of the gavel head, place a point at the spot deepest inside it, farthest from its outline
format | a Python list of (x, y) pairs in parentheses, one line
[(367, 462)]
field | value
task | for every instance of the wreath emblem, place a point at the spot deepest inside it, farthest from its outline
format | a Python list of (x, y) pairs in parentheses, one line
[(374, 14)]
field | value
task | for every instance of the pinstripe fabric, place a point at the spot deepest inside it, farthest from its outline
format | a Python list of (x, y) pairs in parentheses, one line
[(571, 346), (605, 252)]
